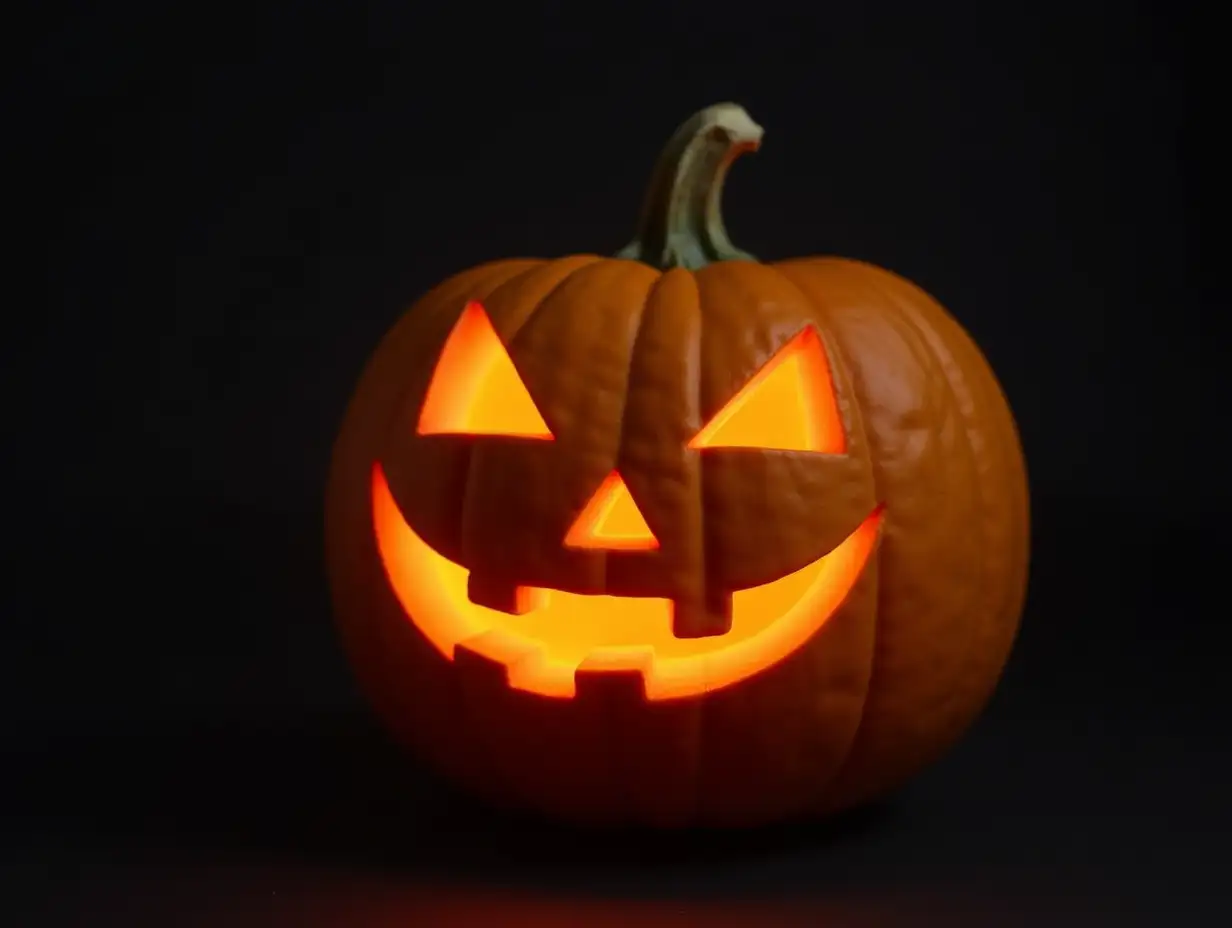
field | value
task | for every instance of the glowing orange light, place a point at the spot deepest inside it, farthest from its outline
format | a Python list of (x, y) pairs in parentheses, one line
[(611, 520), (544, 648), (475, 389), (788, 405)]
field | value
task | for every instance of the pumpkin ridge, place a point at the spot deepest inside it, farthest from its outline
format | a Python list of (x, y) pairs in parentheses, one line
[(376, 403), (927, 340), (957, 387), (547, 265), (482, 290), (624, 400), (835, 344), (508, 337), (437, 316), (960, 344), (1008, 456)]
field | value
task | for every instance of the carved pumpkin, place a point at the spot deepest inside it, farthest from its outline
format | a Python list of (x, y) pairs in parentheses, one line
[(677, 537)]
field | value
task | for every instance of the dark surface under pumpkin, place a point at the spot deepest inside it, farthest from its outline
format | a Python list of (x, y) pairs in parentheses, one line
[(627, 363)]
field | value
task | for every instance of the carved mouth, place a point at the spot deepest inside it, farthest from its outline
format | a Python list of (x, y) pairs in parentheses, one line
[(562, 636)]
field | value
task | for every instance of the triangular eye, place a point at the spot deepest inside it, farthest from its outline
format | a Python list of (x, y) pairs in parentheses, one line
[(789, 405), (475, 389)]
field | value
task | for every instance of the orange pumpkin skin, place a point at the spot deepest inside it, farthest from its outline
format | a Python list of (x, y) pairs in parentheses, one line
[(627, 362)]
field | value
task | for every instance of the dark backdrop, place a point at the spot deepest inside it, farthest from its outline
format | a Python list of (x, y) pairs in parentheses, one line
[(219, 213)]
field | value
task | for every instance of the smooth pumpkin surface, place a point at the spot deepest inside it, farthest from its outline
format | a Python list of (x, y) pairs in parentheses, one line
[(654, 682)]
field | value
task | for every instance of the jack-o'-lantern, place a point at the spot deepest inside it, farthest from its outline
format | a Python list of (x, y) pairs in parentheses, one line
[(678, 537)]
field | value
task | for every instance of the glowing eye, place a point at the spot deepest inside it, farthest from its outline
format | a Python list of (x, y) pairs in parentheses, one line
[(475, 389), (789, 405)]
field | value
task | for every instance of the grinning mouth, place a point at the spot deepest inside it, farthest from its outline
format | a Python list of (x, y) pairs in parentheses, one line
[(566, 635)]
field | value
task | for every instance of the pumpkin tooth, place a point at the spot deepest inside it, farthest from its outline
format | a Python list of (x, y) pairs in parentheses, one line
[(501, 596), (499, 649), (504, 659), (702, 618), (617, 657), (614, 673)]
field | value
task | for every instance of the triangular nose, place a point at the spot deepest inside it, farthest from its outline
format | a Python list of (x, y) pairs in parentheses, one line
[(611, 521)]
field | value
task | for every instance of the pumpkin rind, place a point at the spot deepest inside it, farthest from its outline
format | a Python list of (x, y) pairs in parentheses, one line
[(626, 362)]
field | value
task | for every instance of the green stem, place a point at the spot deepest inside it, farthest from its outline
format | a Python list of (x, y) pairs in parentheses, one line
[(682, 218)]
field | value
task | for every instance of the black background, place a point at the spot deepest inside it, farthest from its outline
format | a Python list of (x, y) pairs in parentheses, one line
[(219, 212)]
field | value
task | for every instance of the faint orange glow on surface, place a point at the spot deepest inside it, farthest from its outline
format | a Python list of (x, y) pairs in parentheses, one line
[(611, 520), (475, 388), (788, 405), (543, 648)]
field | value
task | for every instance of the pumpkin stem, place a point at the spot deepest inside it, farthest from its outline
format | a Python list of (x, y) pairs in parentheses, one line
[(682, 219)]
